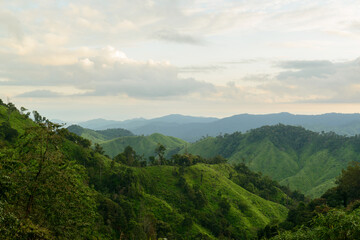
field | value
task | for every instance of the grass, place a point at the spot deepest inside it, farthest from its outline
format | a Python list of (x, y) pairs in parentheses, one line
[(145, 145), (165, 197)]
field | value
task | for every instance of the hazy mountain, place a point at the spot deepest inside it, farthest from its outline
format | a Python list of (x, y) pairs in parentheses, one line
[(193, 128), (137, 123), (98, 124)]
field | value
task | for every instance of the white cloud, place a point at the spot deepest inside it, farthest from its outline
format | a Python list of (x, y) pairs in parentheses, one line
[(174, 36), (39, 94), (109, 72), (313, 81)]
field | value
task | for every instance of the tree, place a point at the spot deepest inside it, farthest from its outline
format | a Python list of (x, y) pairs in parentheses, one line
[(349, 183), (130, 158), (99, 149), (47, 189), (160, 151)]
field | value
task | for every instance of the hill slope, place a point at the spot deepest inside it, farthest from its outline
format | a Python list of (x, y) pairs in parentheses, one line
[(97, 136), (304, 160), (144, 145), (170, 200)]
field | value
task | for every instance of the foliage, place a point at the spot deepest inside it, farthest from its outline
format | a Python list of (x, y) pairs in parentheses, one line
[(47, 189), (297, 158), (335, 225), (54, 185), (326, 217), (130, 158)]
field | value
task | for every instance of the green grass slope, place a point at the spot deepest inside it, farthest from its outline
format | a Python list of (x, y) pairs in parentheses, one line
[(304, 160), (169, 202), (14, 118), (143, 145)]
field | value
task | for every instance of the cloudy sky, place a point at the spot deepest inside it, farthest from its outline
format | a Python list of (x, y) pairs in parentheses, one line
[(118, 59)]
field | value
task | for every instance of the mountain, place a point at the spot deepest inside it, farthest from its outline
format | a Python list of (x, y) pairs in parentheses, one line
[(145, 145), (304, 160), (97, 136), (193, 128), (98, 124), (173, 119), (181, 119)]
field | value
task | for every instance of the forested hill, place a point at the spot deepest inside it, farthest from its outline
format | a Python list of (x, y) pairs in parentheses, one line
[(304, 160), (144, 145), (53, 185), (97, 136)]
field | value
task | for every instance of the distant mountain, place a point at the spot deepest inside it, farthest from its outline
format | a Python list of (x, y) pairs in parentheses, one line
[(97, 136), (172, 120), (98, 124), (193, 128), (181, 119), (304, 160)]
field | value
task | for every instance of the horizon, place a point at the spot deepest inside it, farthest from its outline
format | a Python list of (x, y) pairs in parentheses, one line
[(121, 60), (215, 118)]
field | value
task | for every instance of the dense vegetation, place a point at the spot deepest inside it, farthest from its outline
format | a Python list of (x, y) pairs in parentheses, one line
[(54, 185), (298, 158), (336, 215)]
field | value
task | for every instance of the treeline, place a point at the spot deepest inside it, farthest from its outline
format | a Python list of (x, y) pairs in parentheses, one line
[(287, 137), (130, 158)]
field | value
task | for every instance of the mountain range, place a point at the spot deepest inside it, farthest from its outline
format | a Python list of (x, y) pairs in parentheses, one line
[(192, 129)]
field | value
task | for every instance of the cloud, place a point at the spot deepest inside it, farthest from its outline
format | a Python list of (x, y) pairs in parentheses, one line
[(174, 36), (197, 69), (10, 24), (57, 45), (314, 81), (306, 69), (40, 94), (243, 61), (109, 72)]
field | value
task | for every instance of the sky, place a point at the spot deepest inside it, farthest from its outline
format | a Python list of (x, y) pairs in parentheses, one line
[(79, 60)]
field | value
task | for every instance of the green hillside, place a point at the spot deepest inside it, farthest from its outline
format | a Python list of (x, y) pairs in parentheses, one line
[(53, 185), (304, 160), (143, 145), (11, 116), (247, 212), (98, 136)]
